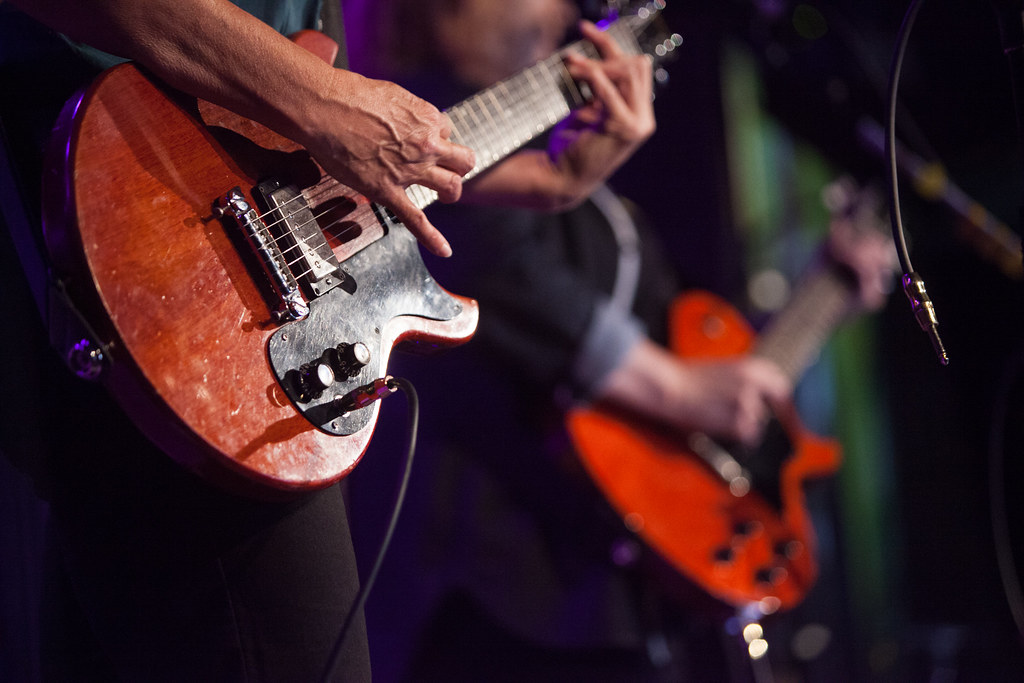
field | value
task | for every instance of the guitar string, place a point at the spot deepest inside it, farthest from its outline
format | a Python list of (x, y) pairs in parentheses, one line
[(525, 133), (327, 183), (497, 146), (510, 107)]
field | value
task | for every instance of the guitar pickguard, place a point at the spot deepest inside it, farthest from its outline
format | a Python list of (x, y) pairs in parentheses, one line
[(386, 279)]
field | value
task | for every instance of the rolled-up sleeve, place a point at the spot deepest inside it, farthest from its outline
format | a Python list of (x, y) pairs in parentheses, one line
[(609, 337)]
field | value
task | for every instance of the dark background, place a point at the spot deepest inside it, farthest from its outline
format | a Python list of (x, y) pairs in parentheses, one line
[(953, 433)]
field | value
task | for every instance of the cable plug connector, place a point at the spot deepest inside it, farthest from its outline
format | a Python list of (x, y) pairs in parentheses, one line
[(363, 396), (924, 312)]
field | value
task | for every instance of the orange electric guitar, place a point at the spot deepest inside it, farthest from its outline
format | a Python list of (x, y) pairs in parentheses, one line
[(240, 304), (731, 520)]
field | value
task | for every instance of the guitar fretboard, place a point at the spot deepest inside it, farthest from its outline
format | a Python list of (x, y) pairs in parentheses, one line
[(795, 336), (509, 114)]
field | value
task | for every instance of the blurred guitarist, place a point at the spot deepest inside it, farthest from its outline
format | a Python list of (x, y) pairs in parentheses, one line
[(155, 574), (573, 307)]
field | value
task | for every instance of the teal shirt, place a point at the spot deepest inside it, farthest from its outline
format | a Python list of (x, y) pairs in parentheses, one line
[(286, 16)]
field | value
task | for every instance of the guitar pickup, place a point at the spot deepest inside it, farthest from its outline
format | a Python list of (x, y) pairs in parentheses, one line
[(291, 220)]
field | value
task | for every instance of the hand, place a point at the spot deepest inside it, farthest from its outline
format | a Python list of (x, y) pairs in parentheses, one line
[(379, 139), (731, 399), (859, 240), (589, 146), (600, 136)]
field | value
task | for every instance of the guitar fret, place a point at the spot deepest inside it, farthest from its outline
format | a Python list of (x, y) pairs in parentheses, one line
[(473, 141), (533, 88), (502, 118), (797, 333), (489, 148), (512, 118), (570, 86)]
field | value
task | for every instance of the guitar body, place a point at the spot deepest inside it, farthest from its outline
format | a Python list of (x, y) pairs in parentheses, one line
[(740, 549), (194, 352)]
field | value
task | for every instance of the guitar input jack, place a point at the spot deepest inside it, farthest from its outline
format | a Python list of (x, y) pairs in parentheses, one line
[(365, 395)]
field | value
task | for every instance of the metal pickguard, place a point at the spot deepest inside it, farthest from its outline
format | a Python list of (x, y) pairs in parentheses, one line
[(386, 279)]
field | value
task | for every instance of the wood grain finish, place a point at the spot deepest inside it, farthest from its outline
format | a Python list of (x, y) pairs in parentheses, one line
[(130, 225)]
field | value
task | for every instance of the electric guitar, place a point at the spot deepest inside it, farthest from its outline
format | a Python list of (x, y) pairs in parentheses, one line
[(731, 520), (239, 303)]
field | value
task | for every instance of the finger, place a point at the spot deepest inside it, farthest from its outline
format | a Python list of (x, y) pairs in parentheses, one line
[(602, 87), (418, 224), (632, 78), (457, 158), (749, 420), (774, 385), (447, 184), (605, 44)]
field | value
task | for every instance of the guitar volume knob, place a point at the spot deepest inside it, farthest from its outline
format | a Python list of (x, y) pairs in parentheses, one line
[(743, 528), (788, 549), (348, 360), (771, 576), (309, 381), (724, 555)]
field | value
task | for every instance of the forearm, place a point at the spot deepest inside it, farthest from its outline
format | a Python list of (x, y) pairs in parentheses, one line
[(531, 180), (371, 135), (727, 398), (208, 48), (648, 383)]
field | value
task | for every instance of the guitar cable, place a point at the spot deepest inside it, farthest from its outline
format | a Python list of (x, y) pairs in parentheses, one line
[(913, 284), (413, 411)]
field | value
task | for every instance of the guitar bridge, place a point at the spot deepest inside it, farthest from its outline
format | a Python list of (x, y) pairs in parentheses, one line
[(290, 303)]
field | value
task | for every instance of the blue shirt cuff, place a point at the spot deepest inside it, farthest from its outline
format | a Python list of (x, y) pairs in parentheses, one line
[(609, 337)]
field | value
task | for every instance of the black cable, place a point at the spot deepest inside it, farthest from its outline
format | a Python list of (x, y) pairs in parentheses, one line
[(895, 70), (364, 591), (913, 285)]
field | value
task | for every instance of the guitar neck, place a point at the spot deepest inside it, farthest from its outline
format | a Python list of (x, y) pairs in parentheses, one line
[(795, 336), (509, 114)]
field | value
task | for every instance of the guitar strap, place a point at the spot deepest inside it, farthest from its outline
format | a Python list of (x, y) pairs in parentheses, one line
[(627, 239), (613, 328)]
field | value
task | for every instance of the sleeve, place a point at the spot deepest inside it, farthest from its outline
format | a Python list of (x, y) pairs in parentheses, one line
[(543, 282), (604, 346)]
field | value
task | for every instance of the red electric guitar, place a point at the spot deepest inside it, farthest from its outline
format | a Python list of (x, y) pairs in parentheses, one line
[(240, 304), (730, 520)]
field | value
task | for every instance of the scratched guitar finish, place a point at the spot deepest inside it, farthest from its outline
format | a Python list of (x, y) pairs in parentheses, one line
[(245, 303)]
